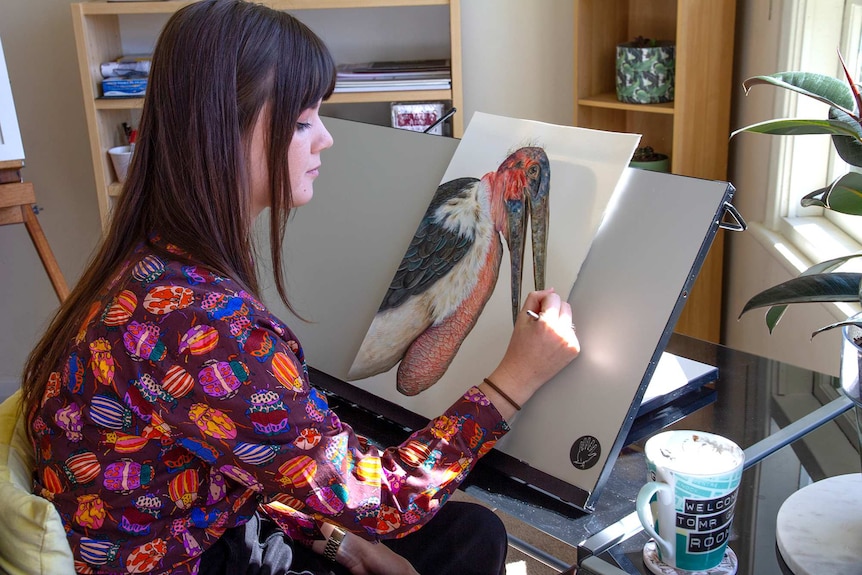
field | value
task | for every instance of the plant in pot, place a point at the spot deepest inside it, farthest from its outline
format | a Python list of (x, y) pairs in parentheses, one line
[(645, 71), (825, 281), (646, 158), (829, 501)]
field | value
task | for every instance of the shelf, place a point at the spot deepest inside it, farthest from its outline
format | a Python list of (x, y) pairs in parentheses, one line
[(170, 6), (609, 101), (119, 103), (337, 98)]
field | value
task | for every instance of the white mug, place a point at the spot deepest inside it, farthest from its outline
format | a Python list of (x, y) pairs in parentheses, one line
[(687, 505)]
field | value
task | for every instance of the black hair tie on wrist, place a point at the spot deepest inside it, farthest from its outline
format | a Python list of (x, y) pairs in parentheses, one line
[(493, 386)]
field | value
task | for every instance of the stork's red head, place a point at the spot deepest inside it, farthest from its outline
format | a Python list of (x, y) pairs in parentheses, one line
[(523, 184)]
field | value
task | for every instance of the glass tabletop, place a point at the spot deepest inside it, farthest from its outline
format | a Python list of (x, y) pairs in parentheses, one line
[(756, 401)]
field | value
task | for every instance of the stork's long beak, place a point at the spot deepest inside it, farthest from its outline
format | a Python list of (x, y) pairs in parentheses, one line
[(531, 203)]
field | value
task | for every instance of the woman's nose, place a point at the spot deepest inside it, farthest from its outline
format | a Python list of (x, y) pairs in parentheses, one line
[(325, 138)]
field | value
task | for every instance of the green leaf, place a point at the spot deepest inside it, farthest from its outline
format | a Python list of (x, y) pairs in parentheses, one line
[(829, 265), (845, 194), (774, 315), (776, 312), (849, 148), (826, 89), (815, 199), (821, 287), (800, 127), (842, 323)]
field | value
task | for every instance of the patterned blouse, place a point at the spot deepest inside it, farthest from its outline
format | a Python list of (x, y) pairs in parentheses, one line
[(183, 405)]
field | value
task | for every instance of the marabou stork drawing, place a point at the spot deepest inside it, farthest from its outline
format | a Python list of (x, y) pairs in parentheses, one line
[(451, 267)]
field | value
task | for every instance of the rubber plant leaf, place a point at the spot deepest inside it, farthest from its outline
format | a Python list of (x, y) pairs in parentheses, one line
[(849, 147), (776, 312), (837, 324), (821, 287), (832, 91), (844, 195), (800, 127)]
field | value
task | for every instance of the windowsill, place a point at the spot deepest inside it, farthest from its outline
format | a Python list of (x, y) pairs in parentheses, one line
[(803, 241), (819, 239)]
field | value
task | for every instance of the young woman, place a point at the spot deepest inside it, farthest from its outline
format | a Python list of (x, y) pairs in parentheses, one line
[(175, 426)]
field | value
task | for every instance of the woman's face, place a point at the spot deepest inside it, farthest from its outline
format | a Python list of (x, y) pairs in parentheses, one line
[(310, 137)]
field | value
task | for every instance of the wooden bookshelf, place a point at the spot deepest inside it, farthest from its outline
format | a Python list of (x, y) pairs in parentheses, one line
[(98, 39), (693, 129)]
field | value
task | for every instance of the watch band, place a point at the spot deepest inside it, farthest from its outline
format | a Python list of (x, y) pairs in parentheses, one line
[(333, 543)]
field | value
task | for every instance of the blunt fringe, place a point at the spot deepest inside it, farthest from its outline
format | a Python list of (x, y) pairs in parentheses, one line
[(216, 64)]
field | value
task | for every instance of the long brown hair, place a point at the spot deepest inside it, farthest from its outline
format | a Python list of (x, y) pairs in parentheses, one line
[(216, 64)]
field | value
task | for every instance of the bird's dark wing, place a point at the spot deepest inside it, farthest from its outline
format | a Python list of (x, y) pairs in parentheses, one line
[(433, 251)]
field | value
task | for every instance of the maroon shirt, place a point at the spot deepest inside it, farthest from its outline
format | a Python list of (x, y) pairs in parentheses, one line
[(183, 404)]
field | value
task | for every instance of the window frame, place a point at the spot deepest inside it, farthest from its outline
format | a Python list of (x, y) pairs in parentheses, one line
[(801, 164)]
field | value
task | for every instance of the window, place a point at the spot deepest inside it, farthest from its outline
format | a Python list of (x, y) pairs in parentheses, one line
[(813, 31)]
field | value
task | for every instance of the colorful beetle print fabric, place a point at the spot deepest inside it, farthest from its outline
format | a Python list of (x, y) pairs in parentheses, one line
[(183, 405)]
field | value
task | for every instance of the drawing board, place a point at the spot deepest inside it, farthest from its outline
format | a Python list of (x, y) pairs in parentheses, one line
[(342, 248)]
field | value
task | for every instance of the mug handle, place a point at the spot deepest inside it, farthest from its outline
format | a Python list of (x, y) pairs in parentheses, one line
[(642, 505)]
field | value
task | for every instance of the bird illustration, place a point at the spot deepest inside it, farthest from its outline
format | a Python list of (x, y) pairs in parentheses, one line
[(451, 267)]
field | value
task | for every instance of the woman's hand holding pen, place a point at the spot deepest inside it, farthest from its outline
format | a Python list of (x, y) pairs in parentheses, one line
[(543, 342)]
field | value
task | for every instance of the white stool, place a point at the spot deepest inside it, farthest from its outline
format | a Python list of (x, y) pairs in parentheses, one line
[(819, 528)]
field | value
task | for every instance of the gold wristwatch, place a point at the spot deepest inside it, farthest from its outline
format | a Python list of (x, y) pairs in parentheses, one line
[(334, 542)]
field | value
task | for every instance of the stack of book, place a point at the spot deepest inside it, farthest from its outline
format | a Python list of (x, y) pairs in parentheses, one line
[(125, 77), (394, 76)]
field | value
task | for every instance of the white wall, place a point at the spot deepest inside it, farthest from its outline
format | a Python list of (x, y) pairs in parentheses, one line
[(752, 265), (517, 62)]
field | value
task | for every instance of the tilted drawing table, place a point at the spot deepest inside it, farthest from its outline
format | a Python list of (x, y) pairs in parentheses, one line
[(374, 187)]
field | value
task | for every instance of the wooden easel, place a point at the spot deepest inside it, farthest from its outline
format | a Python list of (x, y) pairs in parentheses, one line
[(17, 202)]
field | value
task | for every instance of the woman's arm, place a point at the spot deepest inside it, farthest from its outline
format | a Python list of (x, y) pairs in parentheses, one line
[(266, 427)]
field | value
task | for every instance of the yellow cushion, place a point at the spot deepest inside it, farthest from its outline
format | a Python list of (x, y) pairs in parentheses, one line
[(32, 538)]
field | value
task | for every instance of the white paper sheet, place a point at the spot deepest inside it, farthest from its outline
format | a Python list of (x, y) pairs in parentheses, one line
[(11, 147)]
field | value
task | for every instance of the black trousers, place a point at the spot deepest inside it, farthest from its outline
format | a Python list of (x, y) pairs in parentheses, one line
[(461, 539)]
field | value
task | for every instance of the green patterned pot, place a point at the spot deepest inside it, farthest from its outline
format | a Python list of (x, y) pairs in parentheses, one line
[(645, 74)]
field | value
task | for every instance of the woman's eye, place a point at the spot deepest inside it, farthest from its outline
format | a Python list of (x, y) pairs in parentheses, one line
[(303, 126)]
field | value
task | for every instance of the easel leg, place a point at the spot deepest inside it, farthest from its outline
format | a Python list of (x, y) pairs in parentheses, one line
[(45, 253), (16, 206)]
